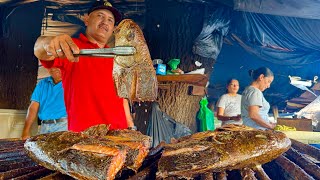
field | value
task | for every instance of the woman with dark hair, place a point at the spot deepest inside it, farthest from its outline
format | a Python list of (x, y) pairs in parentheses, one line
[(254, 107), (229, 104)]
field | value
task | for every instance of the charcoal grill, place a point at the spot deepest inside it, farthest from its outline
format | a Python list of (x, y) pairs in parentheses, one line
[(301, 161)]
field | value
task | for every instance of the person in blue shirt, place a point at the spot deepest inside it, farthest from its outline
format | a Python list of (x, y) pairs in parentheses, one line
[(47, 103)]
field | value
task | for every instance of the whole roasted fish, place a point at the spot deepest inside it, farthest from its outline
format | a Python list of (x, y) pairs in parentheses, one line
[(134, 76), (93, 154), (227, 148)]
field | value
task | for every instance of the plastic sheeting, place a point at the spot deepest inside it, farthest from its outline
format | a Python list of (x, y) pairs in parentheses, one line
[(216, 25), (287, 45), (235, 62), (162, 127), (312, 111), (293, 8), (278, 39)]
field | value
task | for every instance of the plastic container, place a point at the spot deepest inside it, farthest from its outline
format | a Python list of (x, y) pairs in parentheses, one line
[(161, 69), (157, 61)]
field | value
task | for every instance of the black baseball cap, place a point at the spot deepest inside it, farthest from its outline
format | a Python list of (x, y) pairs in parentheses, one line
[(106, 5)]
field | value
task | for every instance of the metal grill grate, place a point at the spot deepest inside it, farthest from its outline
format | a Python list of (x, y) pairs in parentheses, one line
[(301, 161)]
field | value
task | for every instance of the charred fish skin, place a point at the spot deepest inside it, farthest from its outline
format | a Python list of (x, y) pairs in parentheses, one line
[(82, 164), (45, 148), (92, 154), (137, 144), (54, 151), (134, 76), (77, 155), (131, 136), (230, 147)]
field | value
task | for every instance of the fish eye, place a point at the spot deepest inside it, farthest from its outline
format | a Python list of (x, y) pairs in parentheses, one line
[(130, 36)]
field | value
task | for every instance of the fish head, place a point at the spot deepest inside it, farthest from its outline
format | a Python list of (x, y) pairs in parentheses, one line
[(128, 33), (134, 75)]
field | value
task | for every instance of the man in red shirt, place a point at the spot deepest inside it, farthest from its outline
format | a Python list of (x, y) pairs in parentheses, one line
[(90, 95)]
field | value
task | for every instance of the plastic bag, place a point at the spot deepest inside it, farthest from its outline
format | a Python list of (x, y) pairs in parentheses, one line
[(215, 26), (162, 127), (205, 116), (173, 64)]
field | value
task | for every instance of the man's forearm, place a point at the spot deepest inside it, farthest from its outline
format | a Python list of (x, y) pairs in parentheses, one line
[(32, 115), (258, 119), (40, 48), (127, 113), (27, 126)]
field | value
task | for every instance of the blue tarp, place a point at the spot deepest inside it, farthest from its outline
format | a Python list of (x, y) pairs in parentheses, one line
[(235, 61), (287, 45), (278, 39), (292, 8)]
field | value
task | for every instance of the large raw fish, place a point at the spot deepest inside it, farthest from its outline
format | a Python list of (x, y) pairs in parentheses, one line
[(134, 76)]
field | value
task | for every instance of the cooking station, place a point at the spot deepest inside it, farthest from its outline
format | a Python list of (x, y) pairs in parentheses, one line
[(301, 161)]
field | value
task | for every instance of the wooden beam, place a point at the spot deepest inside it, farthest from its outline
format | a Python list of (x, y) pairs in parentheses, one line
[(195, 79)]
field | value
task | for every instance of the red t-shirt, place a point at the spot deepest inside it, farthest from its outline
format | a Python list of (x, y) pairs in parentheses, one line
[(89, 92)]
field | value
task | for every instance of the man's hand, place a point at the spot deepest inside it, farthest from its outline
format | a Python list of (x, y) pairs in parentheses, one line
[(272, 125), (48, 48), (25, 135)]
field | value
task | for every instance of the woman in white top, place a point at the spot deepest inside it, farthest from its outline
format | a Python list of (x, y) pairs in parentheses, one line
[(254, 107), (229, 104)]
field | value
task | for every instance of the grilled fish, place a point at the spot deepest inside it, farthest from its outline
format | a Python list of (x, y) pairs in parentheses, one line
[(134, 76), (226, 148), (85, 155)]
